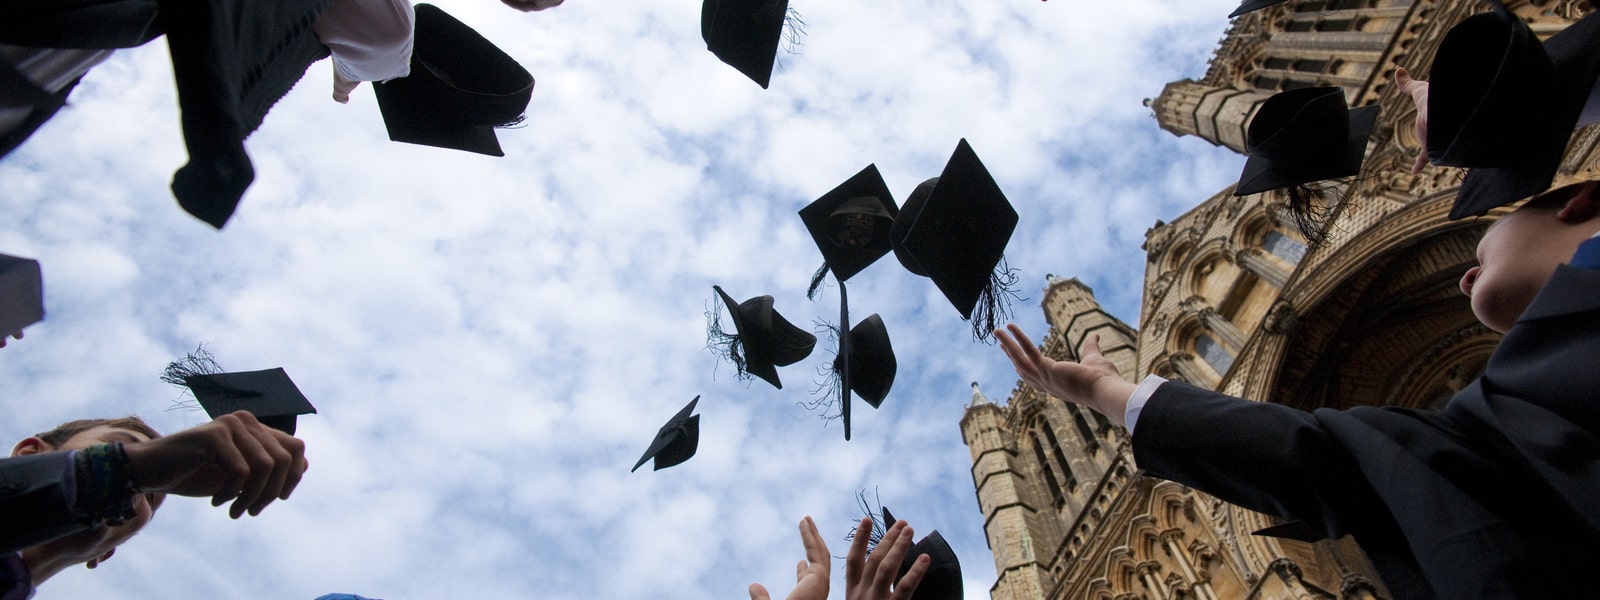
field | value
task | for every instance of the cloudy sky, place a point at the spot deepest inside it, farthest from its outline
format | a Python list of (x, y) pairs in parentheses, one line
[(492, 342)]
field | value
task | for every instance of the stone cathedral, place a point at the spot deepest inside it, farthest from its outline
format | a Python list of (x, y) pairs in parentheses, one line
[(1236, 300)]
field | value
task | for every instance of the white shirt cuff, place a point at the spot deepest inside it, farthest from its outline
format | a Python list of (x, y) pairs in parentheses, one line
[(1141, 395)]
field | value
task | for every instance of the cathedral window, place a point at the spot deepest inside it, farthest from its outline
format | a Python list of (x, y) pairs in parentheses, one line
[(1219, 357), (1284, 247), (1049, 474), (1061, 457)]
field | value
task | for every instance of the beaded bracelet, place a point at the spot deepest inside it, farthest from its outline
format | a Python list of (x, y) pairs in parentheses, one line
[(105, 490)]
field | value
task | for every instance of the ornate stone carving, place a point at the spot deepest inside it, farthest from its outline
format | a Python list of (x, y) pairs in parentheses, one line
[(1356, 587), (1282, 319)]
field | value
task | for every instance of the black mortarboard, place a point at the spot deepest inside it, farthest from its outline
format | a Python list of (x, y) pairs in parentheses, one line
[(461, 86), (1505, 106), (744, 34), (1302, 136), (269, 395), (943, 578), (1253, 5), (953, 229), (21, 293), (865, 364), (850, 224), (765, 339), (676, 441)]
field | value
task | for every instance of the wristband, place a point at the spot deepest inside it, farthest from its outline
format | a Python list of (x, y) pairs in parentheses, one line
[(105, 490)]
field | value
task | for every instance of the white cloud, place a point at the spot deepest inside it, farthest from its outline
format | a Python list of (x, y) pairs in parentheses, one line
[(492, 342)]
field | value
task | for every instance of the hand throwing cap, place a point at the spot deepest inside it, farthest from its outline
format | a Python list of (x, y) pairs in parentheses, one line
[(744, 34), (1305, 135), (21, 293), (676, 441), (1253, 5), (461, 86), (765, 340), (1504, 105), (943, 578), (953, 229), (269, 395), (851, 223)]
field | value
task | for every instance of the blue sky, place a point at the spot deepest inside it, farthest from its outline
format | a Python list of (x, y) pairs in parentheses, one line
[(492, 342)]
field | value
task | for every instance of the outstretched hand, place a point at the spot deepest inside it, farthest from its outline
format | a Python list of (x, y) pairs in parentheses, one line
[(873, 577), (1093, 382), (1418, 90), (811, 574), (233, 457)]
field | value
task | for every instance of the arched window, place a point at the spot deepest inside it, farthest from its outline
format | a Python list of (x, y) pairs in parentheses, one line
[(1061, 457), (1283, 247), (1090, 442), (1219, 357), (1049, 474)]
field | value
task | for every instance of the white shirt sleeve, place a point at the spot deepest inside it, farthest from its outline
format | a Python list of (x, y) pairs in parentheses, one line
[(370, 39), (1141, 395)]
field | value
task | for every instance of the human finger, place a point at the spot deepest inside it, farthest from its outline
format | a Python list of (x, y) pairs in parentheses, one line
[(857, 557), (1091, 345), (277, 470), (257, 472), (1011, 348), (1422, 161), (1029, 350), (895, 554), (759, 592), (907, 586), (297, 470), (816, 548)]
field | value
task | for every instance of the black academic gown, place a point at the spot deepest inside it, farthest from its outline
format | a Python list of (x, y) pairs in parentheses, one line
[(232, 60), (35, 500), (1496, 496)]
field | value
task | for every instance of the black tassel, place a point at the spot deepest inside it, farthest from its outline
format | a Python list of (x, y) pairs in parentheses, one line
[(825, 395), (794, 31), (199, 362), (1311, 212), (816, 281), (878, 526), (725, 344), (994, 304)]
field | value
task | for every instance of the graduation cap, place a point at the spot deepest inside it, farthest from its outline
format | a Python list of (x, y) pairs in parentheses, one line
[(953, 229), (865, 364), (942, 581), (850, 225), (765, 340), (21, 293), (1253, 5), (460, 88), (744, 34), (269, 395), (1504, 105), (1305, 135), (676, 441)]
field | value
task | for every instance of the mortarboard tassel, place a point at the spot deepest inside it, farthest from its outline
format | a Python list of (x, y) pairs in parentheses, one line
[(725, 344), (1310, 206), (816, 281), (994, 302)]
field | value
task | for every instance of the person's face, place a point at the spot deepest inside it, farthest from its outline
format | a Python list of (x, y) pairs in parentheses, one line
[(1515, 258), (96, 543)]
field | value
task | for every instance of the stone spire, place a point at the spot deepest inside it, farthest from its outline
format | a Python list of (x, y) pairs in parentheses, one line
[(978, 399)]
